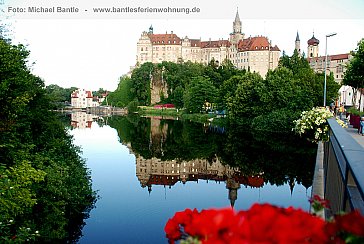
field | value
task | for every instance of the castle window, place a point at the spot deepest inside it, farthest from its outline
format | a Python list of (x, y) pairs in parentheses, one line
[(146, 49), (141, 49)]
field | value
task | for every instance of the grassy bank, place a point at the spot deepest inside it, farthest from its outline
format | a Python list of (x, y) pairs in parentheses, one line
[(179, 113)]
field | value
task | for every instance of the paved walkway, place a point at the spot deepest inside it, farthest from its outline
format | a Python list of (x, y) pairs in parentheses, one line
[(354, 133)]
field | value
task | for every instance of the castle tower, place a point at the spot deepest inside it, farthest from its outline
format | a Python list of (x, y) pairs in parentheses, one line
[(236, 35), (237, 23), (297, 44), (313, 49), (233, 187)]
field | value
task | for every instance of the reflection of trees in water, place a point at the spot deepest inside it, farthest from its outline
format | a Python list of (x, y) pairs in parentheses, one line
[(282, 158)]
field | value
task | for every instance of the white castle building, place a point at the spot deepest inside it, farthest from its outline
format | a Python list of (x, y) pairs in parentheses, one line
[(252, 53)]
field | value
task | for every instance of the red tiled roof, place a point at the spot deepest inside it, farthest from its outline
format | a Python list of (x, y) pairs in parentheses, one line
[(256, 44), (219, 43), (331, 57), (74, 95), (195, 42), (89, 94), (165, 39), (162, 180), (253, 181), (339, 56)]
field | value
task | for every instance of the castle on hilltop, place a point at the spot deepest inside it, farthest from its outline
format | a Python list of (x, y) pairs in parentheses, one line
[(252, 53)]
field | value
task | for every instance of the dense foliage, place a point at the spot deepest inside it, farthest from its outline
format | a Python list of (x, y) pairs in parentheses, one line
[(354, 75), (246, 97), (45, 186), (59, 96)]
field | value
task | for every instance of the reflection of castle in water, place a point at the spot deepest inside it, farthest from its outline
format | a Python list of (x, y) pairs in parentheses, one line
[(167, 173), (82, 120)]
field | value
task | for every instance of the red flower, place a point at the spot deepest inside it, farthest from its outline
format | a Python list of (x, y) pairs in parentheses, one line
[(319, 203), (352, 223), (172, 230), (262, 223)]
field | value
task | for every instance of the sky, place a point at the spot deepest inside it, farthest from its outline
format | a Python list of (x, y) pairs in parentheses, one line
[(91, 50)]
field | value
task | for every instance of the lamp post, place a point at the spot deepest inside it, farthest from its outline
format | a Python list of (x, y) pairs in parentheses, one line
[(328, 35)]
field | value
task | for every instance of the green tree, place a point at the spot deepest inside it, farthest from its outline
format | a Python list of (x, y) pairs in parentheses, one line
[(177, 98), (309, 86), (99, 93), (354, 74), (41, 170), (227, 90), (278, 89), (198, 93), (212, 71), (122, 95), (245, 102), (59, 96), (141, 79)]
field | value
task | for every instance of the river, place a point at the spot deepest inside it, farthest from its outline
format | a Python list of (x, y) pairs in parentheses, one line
[(146, 169)]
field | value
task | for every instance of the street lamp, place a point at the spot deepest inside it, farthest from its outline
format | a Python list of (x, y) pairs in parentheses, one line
[(328, 35)]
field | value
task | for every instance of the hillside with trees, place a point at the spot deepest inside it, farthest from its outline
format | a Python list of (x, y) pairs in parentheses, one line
[(247, 98)]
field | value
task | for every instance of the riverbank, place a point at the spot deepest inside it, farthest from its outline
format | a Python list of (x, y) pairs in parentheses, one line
[(180, 114)]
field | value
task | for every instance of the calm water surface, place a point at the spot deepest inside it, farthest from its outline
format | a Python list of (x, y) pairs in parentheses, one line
[(144, 170)]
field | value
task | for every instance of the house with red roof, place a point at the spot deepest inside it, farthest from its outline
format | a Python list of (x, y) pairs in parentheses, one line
[(81, 98)]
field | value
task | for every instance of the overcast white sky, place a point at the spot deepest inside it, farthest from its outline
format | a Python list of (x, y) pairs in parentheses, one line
[(91, 51)]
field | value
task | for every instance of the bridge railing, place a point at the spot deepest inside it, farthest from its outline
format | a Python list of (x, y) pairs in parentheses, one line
[(344, 171)]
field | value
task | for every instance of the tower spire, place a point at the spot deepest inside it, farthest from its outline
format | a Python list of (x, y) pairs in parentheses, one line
[(298, 44), (237, 23), (297, 37)]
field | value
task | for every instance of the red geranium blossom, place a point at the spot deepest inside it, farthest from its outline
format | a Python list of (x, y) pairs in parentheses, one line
[(352, 223), (260, 224)]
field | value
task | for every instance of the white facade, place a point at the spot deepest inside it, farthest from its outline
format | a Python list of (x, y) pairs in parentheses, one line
[(253, 53), (82, 120), (82, 99), (346, 97)]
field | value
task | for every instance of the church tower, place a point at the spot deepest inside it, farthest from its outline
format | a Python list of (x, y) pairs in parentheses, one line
[(237, 24), (236, 35), (313, 49), (297, 44)]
